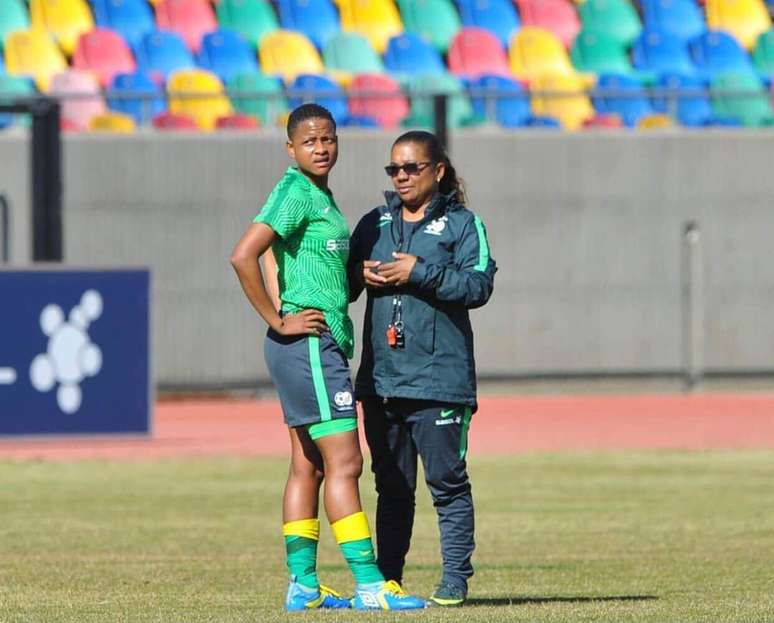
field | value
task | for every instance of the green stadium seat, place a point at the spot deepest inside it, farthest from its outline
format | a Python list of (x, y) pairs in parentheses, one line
[(763, 55), (264, 97), (351, 52), (421, 89), (741, 96), (598, 52), (250, 18), (13, 16), (435, 20), (616, 18), (12, 87)]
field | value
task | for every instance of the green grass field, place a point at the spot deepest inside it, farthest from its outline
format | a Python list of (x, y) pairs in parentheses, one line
[(648, 536)]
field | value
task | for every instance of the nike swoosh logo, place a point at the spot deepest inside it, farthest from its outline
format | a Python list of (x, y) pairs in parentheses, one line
[(447, 412), (365, 553)]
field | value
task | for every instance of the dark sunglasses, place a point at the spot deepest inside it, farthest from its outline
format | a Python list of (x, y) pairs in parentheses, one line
[(411, 168)]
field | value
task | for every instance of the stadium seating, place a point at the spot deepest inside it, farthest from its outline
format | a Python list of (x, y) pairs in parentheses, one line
[(161, 53), (410, 55), (763, 55), (535, 51), (186, 89), (556, 16), (65, 20), (132, 19), (287, 54), (561, 96), (11, 87), (434, 20), (382, 100), (316, 19), (13, 16), (226, 54), (741, 95), (104, 53), (143, 99), (320, 90), (378, 20), (191, 19), (422, 88), (744, 19), (33, 53), (716, 52), (660, 52), (476, 51), (261, 96), (169, 121), (616, 18), (237, 121), (112, 122), (497, 16), (349, 52), (680, 18), (250, 18), (624, 96), (693, 107), (505, 101), (597, 52), (78, 110)]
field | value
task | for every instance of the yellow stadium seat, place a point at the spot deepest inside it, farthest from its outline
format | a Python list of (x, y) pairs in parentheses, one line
[(535, 51), (112, 122), (655, 122), (198, 94), (33, 53), (563, 97), (745, 19), (287, 54), (377, 20), (66, 20)]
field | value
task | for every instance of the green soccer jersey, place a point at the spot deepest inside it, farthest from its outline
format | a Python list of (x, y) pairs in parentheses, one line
[(311, 249)]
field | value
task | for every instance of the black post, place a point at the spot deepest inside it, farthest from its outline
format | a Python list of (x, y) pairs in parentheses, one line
[(439, 110), (46, 182), (5, 221)]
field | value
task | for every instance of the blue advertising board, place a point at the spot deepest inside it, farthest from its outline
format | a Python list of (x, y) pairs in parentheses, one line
[(74, 352)]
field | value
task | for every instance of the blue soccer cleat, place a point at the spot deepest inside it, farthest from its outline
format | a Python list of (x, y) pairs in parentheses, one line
[(300, 597), (384, 596)]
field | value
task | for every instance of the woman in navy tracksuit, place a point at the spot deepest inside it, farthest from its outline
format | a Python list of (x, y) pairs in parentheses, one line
[(424, 261)]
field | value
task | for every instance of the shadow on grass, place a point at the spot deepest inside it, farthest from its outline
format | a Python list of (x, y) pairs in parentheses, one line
[(526, 600)]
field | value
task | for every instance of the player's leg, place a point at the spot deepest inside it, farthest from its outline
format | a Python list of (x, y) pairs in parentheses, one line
[(394, 464), (440, 433), (301, 527)]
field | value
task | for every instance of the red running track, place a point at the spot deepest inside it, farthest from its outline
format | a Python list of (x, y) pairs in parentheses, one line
[(501, 426)]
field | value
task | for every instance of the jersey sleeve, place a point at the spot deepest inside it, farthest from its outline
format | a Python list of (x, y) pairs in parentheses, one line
[(284, 212)]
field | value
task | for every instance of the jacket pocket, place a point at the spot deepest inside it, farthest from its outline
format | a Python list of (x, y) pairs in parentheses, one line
[(419, 325)]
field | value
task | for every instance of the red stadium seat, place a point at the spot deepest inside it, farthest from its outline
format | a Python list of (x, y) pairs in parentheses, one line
[(381, 99), (80, 94), (170, 121), (104, 53), (476, 51), (604, 121), (556, 16), (237, 121), (191, 19)]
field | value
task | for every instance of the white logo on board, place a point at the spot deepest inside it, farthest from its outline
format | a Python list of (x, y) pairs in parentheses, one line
[(70, 356), (343, 399)]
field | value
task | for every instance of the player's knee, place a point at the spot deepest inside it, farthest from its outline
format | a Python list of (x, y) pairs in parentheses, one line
[(346, 467)]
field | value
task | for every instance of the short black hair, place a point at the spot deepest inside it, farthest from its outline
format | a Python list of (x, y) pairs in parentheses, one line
[(306, 112)]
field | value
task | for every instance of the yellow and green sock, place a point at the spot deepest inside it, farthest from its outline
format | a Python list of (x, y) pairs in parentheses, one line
[(354, 538), (301, 539)]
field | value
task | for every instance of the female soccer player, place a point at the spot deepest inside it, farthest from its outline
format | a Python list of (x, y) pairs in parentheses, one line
[(424, 259), (306, 349)]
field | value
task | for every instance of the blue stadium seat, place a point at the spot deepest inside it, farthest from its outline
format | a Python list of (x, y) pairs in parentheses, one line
[(717, 52), (160, 53), (317, 19), (631, 105), (410, 55), (322, 91), (130, 18), (691, 107), (497, 16), (143, 108), (510, 105), (361, 121), (681, 18), (226, 54), (660, 52)]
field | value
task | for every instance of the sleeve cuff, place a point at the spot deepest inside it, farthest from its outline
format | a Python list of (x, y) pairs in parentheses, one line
[(418, 273)]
